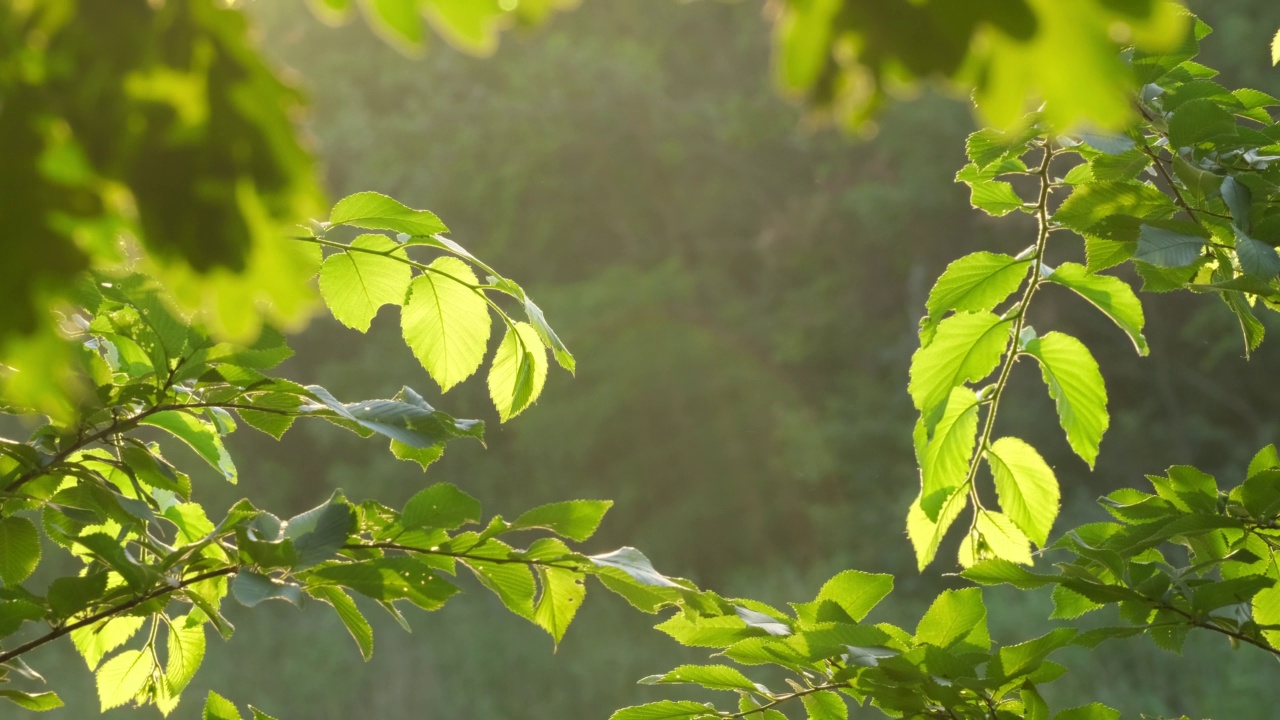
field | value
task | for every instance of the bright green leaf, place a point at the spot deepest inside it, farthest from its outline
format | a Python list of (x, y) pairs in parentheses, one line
[(446, 323), (349, 614), (574, 519), (121, 678), (37, 702), (976, 282), (375, 211), (1111, 295), (666, 710), (951, 618), (200, 435), (355, 284), (19, 549), (217, 707), (519, 371), (1026, 486), (945, 463), (441, 506), (966, 347), (1076, 386), (1093, 711), (825, 705), (713, 677)]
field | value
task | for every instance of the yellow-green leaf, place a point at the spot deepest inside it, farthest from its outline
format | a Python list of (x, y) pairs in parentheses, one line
[(121, 678), (1076, 386), (445, 322), (354, 284), (519, 371), (1026, 486)]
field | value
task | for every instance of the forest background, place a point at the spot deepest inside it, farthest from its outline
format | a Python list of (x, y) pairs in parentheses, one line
[(742, 292)]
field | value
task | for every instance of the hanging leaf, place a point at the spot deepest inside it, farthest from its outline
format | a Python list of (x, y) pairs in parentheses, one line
[(1111, 295), (355, 284), (19, 549), (1257, 258), (574, 519), (1076, 386), (446, 323), (123, 677), (1026, 486), (518, 372), (945, 464)]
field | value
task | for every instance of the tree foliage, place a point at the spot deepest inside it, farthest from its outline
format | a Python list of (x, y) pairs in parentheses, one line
[(1185, 192)]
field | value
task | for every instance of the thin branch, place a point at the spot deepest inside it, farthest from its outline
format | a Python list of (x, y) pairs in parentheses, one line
[(114, 610), (458, 555)]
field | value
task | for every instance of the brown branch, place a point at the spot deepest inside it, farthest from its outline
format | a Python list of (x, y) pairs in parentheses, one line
[(116, 609)]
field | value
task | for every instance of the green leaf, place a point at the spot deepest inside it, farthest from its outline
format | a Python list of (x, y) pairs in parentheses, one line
[(1103, 254), (121, 678), (1015, 660), (38, 702), (70, 594), (446, 323), (952, 618), (989, 145), (94, 641), (441, 506), (1275, 49), (967, 347), (712, 677), (926, 534), (375, 211), (825, 705), (512, 582), (1034, 706), (1199, 121), (1088, 205), (19, 549), (633, 562), (252, 588), (1026, 486), (994, 197), (407, 418), (184, 650), (1266, 611), (1238, 199), (667, 710), (320, 532), (1111, 295), (1265, 459), (1257, 258), (199, 435), (1092, 711), (548, 336), (519, 371), (217, 707), (976, 282), (355, 284), (1167, 248), (562, 594), (944, 465), (995, 534), (855, 592), (718, 631), (574, 519), (349, 614), (997, 571), (1076, 386), (386, 579)]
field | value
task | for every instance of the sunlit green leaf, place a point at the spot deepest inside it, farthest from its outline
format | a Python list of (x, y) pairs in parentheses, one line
[(714, 677), (349, 614), (519, 371), (1076, 386), (446, 323), (123, 677), (967, 347), (19, 549), (200, 435), (355, 284), (1026, 485), (375, 211), (974, 283), (1111, 295), (574, 519)]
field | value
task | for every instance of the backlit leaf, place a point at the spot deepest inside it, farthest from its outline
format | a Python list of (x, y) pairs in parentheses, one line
[(1026, 486), (19, 549), (1111, 295), (967, 347), (121, 678), (574, 519), (446, 323), (974, 283), (375, 211), (355, 284), (519, 371), (1076, 386)]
